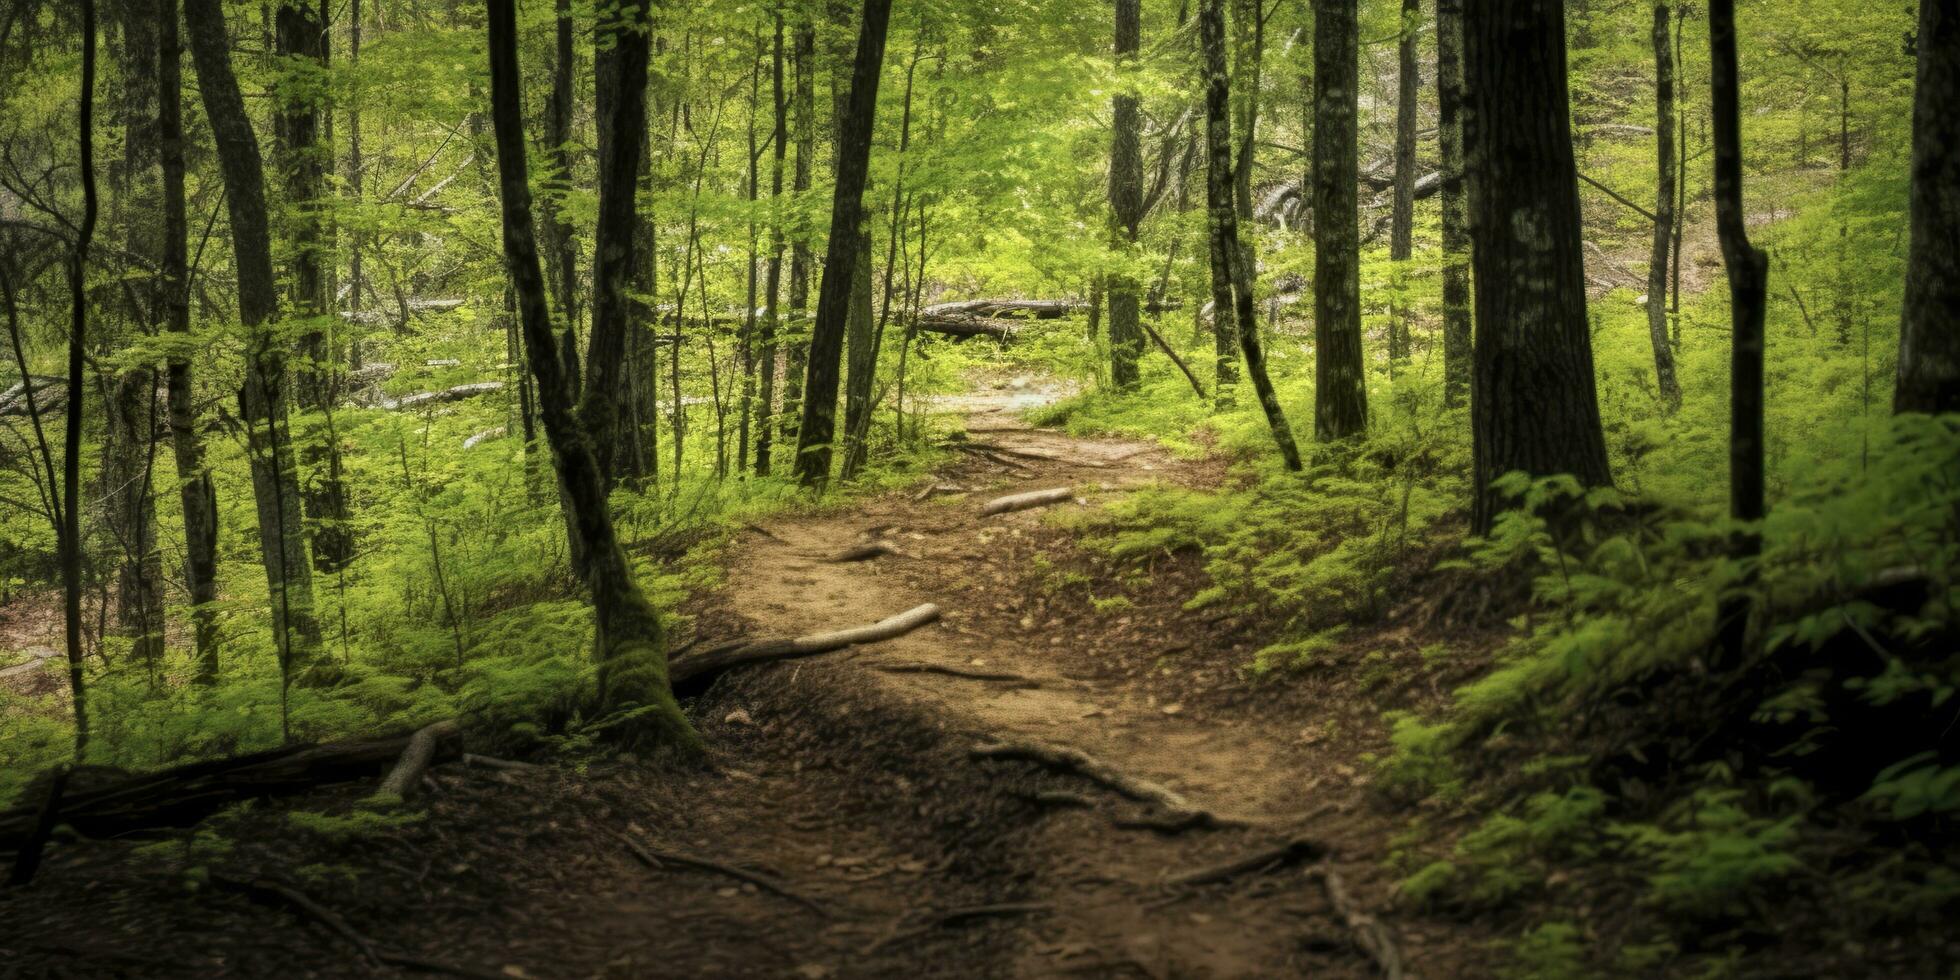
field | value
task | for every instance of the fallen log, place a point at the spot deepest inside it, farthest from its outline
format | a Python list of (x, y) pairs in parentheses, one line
[(962, 326), (426, 398), (102, 802), (1026, 501), (401, 781), (691, 673), (50, 394)]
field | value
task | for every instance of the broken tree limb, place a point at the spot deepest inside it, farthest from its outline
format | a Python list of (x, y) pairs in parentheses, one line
[(1183, 813), (104, 803), (1171, 353), (1292, 852), (693, 672), (1026, 501), (659, 859), (962, 326), (863, 552), (427, 398), (421, 751), (1369, 933)]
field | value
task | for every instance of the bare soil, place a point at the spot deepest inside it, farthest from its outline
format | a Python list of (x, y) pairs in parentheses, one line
[(847, 780)]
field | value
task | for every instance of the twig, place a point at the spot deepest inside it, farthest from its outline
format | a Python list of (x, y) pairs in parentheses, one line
[(974, 675), (266, 891), (508, 765), (658, 859), (692, 673), (1026, 501), (1369, 933)]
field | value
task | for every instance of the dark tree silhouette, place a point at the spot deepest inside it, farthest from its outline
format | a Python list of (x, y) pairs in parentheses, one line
[(1929, 341)]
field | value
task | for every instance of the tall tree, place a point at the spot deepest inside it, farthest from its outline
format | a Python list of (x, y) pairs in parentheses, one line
[(631, 644), (560, 245), (264, 399), (1456, 202), (70, 514), (1231, 287), (1125, 199), (1748, 271), (198, 494), (796, 340), (1340, 381), (1533, 403), (1929, 337), (623, 44), (771, 311), (1402, 215), (129, 501), (860, 346), (301, 37), (1657, 267), (813, 445)]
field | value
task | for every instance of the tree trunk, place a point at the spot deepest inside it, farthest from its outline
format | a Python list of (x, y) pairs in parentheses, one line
[(301, 35), (69, 518), (1533, 403), (1340, 380), (129, 495), (1670, 387), (196, 491), (1456, 204), (1929, 338), (1401, 236), (814, 436), (263, 401), (631, 644), (765, 411), (1125, 200), (1231, 282), (796, 338), (623, 46), (559, 242)]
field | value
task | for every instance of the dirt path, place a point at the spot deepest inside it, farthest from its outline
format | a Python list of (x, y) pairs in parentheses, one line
[(1098, 877)]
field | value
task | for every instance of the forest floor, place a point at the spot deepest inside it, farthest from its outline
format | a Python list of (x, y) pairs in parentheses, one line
[(876, 841)]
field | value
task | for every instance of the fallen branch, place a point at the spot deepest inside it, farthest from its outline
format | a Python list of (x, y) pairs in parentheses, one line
[(107, 803), (1026, 501), (1369, 933), (962, 326), (658, 859), (505, 765), (407, 774), (266, 891), (973, 675), (863, 552), (1292, 852), (1181, 813), (693, 672), (457, 393), (951, 917)]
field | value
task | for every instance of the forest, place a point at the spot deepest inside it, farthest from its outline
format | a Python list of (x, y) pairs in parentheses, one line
[(1034, 488)]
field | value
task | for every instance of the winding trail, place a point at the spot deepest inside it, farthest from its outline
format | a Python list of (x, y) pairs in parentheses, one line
[(997, 669)]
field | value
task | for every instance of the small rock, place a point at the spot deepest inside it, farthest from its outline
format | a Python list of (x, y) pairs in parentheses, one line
[(739, 716), (1172, 709)]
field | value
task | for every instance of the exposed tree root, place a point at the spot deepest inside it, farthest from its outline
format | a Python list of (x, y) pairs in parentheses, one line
[(421, 751), (951, 917), (1284, 855), (693, 672), (658, 859), (1175, 812), (1026, 501), (1369, 933), (266, 891), (972, 675), (863, 552), (505, 765)]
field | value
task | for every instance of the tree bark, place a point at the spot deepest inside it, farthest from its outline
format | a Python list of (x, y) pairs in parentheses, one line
[(301, 36), (70, 517), (263, 402), (796, 338), (1340, 380), (198, 494), (1748, 270), (1231, 280), (1664, 375), (623, 45), (1533, 403), (1401, 236), (631, 645), (1456, 204), (1929, 338), (129, 496), (765, 411), (1125, 200), (559, 241), (813, 446)]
